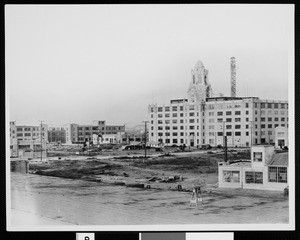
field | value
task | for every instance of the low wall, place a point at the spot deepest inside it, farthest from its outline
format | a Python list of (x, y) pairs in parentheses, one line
[(21, 166)]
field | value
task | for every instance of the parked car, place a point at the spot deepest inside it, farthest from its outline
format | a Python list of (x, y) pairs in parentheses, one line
[(205, 146)]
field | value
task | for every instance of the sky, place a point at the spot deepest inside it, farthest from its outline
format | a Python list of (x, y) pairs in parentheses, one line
[(81, 63)]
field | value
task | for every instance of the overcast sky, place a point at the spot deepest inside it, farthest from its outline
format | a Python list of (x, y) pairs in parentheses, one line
[(71, 63)]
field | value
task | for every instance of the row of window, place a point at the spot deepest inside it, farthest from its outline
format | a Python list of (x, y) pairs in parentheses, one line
[(275, 174), (271, 105), (19, 129), (28, 134)]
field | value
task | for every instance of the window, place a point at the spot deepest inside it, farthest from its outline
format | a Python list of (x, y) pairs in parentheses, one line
[(27, 134), (192, 120), (174, 133), (181, 133), (283, 119), (219, 120), (167, 109), (237, 113), (262, 126), (211, 134), (210, 113), (254, 177), (231, 176), (174, 121), (192, 114), (263, 119), (269, 119), (262, 105), (237, 126), (270, 125), (181, 108), (211, 127), (220, 133), (167, 115), (228, 134), (247, 133), (263, 112), (257, 156), (247, 126), (181, 120), (174, 127), (282, 105), (228, 127), (174, 115), (228, 113), (247, 105), (276, 119), (181, 127), (269, 105), (247, 112), (277, 174), (159, 121), (228, 119), (192, 127), (181, 114), (167, 121), (220, 113), (237, 133), (211, 120), (192, 107), (19, 134), (255, 105), (247, 119), (275, 105), (174, 140), (174, 108), (276, 125), (276, 112), (160, 128), (237, 119), (167, 134), (167, 127)]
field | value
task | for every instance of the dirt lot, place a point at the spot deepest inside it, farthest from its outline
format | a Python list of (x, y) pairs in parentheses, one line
[(98, 192)]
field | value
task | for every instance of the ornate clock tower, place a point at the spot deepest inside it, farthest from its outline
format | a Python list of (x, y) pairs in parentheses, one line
[(199, 87)]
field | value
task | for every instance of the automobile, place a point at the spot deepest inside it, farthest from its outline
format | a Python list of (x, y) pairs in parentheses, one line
[(205, 146)]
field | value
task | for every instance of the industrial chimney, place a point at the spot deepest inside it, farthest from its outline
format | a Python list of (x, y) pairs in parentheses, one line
[(233, 77)]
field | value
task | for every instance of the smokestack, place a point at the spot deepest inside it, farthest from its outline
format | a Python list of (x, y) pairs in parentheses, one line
[(233, 77)]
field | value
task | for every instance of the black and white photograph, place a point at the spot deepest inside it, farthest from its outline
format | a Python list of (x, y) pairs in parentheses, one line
[(149, 117)]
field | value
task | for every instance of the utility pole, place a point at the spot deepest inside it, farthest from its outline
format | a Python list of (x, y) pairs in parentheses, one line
[(225, 149), (41, 141), (145, 137)]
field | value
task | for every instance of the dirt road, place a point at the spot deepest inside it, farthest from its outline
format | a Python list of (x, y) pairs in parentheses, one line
[(81, 202)]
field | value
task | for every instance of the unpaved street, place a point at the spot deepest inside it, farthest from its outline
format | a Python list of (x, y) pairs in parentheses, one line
[(90, 203)]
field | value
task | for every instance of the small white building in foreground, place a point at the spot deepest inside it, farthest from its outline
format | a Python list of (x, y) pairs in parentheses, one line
[(267, 170)]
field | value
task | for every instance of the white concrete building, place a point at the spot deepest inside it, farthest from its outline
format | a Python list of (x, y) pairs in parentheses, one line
[(27, 137), (281, 137), (203, 119), (267, 170)]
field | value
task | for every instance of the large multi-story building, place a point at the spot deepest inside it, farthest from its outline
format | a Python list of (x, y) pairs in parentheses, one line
[(56, 135), (27, 137), (204, 119), (82, 133)]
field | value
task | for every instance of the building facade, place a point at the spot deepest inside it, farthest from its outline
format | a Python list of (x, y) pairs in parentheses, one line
[(84, 133), (28, 138), (56, 135), (204, 119), (267, 170)]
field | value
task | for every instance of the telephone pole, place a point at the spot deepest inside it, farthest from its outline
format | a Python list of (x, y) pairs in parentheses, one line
[(41, 135), (145, 137)]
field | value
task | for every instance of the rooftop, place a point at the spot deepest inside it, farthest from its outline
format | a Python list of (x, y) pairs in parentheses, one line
[(280, 159)]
